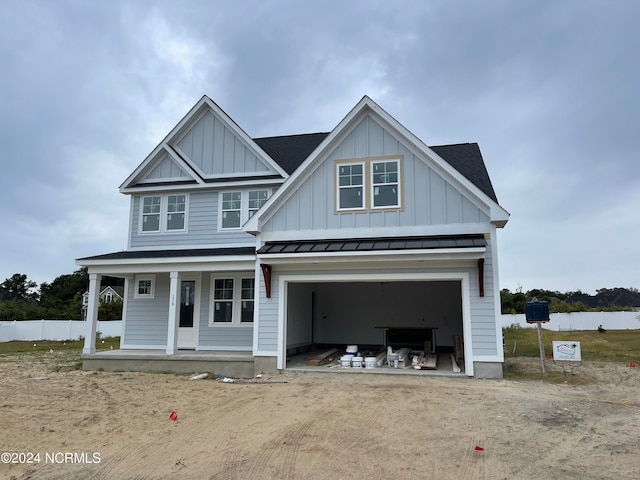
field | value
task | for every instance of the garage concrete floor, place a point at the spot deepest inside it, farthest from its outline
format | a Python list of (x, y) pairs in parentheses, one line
[(298, 362)]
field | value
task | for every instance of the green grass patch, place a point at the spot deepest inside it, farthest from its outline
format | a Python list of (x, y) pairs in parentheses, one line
[(45, 346), (612, 346)]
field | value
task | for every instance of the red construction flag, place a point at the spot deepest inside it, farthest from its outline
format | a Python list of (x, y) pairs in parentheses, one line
[(173, 416)]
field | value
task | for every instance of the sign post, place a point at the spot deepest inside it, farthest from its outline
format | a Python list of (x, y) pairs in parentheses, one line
[(538, 312)]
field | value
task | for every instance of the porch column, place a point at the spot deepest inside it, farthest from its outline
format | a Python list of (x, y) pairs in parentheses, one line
[(174, 313), (92, 313)]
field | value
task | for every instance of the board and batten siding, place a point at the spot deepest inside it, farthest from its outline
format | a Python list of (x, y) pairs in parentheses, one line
[(428, 199), (147, 319), (202, 226), (166, 169), (219, 336), (215, 150)]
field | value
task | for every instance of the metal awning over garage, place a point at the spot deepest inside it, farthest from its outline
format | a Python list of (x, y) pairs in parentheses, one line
[(376, 244)]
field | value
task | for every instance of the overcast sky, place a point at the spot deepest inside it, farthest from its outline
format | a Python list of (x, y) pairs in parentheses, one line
[(548, 89)]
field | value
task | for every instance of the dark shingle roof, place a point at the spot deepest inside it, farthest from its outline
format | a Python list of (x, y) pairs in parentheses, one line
[(192, 252), (291, 150), (374, 244), (467, 159)]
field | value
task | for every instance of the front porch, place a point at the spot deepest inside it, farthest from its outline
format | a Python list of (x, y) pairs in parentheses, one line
[(230, 364)]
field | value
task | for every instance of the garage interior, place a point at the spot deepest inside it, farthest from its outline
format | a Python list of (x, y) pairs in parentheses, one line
[(408, 316)]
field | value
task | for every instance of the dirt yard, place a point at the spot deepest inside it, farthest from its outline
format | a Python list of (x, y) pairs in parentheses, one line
[(98, 425)]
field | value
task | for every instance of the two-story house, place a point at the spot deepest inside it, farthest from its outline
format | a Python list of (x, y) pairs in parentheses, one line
[(242, 250)]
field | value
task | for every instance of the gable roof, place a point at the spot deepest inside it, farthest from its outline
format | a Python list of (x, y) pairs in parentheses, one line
[(166, 147), (291, 150), (465, 164)]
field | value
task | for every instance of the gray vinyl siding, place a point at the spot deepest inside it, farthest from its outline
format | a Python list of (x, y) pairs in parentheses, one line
[(215, 150), (148, 318), (237, 336), (428, 199), (202, 226), (268, 325)]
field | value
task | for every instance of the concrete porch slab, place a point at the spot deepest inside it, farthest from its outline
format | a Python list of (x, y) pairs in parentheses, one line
[(231, 364)]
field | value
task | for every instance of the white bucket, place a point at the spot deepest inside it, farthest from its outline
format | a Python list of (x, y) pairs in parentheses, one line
[(356, 362), (369, 362), (352, 349), (345, 361)]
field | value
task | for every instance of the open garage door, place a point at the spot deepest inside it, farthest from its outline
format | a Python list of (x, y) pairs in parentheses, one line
[(373, 314)]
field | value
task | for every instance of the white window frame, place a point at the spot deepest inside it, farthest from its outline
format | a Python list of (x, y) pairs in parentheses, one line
[(396, 183), (244, 206), (164, 214), (143, 215), (368, 186), (236, 309), (223, 210), (362, 186), (152, 286)]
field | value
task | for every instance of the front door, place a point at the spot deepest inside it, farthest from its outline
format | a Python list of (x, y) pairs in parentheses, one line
[(189, 300)]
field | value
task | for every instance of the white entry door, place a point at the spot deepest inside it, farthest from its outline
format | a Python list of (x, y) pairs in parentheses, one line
[(189, 312)]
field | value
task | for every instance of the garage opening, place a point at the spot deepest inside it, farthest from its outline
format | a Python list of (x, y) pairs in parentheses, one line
[(418, 316)]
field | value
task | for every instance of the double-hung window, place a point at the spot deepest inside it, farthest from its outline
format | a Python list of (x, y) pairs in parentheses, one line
[(232, 300), (239, 206), (385, 184), (176, 209), (350, 186), (151, 214), (164, 213), (144, 286), (231, 209), (368, 184)]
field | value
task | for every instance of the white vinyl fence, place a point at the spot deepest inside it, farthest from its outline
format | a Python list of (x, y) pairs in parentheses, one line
[(54, 329), (567, 322)]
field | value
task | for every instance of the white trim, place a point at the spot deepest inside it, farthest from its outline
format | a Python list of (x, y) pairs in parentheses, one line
[(125, 304), (338, 188), (257, 272), (209, 185), (236, 300), (197, 278), (493, 244), (164, 214), (264, 353), (208, 266), (463, 277), (398, 184), (244, 205), (152, 288), (364, 107), (191, 247)]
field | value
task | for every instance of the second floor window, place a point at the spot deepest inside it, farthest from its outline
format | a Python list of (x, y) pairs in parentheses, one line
[(164, 213), (239, 206), (231, 209)]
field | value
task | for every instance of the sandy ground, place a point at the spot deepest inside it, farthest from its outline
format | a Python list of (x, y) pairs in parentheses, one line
[(98, 425)]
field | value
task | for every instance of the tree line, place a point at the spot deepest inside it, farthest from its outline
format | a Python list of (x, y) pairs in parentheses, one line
[(23, 299), (560, 302)]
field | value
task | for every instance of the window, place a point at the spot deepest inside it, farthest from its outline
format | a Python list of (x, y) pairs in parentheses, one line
[(239, 206), (151, 214), (256, 200), (108, 297), (223, 300), (371, 184), (246, 314), (176, 208), (144, 286), (231, 209), (385, 184), (232, 300), (350, 186), (171, 208)]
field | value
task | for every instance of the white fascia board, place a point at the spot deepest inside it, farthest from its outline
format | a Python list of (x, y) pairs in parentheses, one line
[(194, 247), (378, 232), (376, 256), (210, 185), (155, 265)]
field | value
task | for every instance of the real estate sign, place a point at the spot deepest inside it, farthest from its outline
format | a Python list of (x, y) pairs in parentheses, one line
[(567, 350)]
